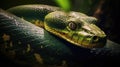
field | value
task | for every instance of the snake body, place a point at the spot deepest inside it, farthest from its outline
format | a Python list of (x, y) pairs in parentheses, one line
[(58, 37)]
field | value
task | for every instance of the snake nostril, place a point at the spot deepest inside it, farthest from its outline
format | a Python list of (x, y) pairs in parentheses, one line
[(95, 38)]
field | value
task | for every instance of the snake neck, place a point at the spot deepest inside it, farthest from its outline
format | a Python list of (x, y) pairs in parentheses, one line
[(38, 23)]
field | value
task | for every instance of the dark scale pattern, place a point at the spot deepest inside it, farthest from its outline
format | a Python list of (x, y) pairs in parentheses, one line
[(23, 33)]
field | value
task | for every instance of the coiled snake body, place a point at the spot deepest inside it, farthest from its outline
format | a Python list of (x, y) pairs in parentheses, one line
[(58, 37)]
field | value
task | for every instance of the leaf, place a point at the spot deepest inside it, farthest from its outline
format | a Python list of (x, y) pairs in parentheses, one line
[(64, 4)]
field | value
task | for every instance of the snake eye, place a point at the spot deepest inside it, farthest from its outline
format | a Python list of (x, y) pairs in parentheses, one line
[(72, 25)]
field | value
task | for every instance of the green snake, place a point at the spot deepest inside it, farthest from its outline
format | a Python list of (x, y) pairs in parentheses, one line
[(74, 27), (51, 40)]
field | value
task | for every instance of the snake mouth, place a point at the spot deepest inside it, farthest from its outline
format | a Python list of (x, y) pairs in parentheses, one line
[(91, 41), (82, 41)]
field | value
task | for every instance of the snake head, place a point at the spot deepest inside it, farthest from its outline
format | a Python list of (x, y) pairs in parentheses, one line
[(76, 28)]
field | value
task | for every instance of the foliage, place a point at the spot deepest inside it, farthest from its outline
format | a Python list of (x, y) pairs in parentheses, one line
[(64, 4)]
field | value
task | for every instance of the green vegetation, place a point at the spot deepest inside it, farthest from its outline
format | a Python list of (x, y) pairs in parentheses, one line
[(64, 4)]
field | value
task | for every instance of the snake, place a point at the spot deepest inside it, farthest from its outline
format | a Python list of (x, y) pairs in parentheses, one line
[(44, 34)]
